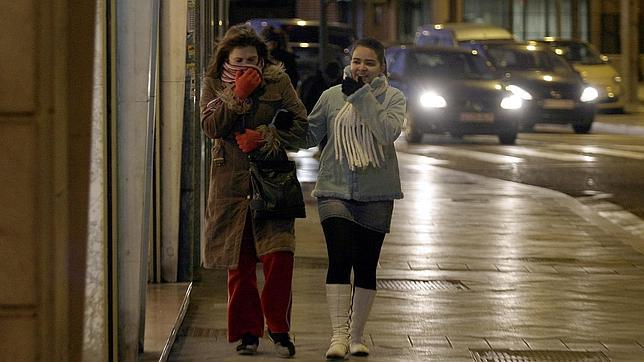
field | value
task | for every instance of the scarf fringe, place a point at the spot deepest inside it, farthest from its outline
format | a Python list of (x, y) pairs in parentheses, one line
[(354, 141)]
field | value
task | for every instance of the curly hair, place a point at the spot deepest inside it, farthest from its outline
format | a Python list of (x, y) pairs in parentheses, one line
[(240, 35)]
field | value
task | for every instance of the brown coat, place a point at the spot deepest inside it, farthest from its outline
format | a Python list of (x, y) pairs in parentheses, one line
[(229, 189)]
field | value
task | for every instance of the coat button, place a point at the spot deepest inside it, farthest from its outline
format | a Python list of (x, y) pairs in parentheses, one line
[(248, 197)]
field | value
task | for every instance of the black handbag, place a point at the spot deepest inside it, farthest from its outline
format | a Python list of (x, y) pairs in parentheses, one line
[(276, 190)]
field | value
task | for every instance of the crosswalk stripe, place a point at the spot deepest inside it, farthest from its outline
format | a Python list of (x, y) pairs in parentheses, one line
[(600, 151), (506, 154), (629, 147), (559, 156), (481, 156)]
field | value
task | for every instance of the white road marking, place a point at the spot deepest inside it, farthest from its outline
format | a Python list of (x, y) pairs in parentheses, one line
[(600, 151), (629, 147), (477, 155), (559, 156)]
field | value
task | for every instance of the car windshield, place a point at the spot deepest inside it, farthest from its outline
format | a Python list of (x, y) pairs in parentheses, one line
[(578, 53), (449, 65), (524, 59)]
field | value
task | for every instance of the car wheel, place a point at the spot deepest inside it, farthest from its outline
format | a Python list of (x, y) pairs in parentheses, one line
[(507, 138), (412, 134), (582, 127)]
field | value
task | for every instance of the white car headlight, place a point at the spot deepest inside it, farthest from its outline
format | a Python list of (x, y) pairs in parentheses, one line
[(432, 100), (511, 102), (522, 93), (589, 94)]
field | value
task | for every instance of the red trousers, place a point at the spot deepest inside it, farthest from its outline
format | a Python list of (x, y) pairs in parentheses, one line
[(246, 310)]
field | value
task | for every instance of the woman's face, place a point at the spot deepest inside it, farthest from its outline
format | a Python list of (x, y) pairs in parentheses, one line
[(243, 56), (365, 64)]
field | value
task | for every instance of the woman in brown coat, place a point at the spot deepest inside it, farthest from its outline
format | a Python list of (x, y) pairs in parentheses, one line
[(241, 94)]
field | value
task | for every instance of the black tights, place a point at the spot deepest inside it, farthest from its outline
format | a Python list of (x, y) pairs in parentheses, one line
[(350, 245)]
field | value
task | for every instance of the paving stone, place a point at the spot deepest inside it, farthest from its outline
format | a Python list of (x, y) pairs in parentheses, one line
[(452, 266), (507, 343), (541, 268), (545, 344), (427, 341), (576, 345)]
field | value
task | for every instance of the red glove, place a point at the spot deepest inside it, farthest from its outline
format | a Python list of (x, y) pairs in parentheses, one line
[(246, 82), (249, 140)]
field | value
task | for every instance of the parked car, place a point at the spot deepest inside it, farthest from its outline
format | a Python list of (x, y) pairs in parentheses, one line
[(594, 69), (555, 92), (456, 34), (452, 90)]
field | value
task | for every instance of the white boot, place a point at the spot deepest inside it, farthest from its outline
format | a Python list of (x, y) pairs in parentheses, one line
[(360, 308), (338, 297)]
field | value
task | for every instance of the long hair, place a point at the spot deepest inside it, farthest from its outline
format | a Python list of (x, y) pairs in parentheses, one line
[(240, 35), (374, 45)]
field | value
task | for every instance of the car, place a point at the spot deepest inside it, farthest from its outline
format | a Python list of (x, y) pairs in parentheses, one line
[(455, 34), (452, 90), (554, 91), (594, 69)]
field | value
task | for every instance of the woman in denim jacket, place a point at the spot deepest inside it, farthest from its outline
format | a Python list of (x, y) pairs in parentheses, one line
[(357, 183)]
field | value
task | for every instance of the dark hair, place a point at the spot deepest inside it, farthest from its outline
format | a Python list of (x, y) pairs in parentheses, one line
[(333, 71), (270, 33), (241, 35), (374, 45)]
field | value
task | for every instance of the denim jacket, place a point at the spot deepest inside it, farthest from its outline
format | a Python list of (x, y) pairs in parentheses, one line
[(384, 116)]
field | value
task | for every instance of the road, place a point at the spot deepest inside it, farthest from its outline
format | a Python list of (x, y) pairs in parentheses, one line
[(605, 171)]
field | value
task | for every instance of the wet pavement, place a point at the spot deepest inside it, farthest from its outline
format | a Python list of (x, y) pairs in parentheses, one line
[(473, 264)]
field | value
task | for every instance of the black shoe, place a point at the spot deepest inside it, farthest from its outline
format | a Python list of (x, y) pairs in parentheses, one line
[(283, 345), (248, 344)]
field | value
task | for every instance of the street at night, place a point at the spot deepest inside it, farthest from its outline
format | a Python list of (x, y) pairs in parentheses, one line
[(602, 170), (322, 180), (496, 251)]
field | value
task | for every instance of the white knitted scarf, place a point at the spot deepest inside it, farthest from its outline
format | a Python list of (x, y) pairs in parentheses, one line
[(353, 138)]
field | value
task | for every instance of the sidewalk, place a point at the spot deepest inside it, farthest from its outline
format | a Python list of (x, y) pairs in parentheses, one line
[(490, 264), (631, 122)]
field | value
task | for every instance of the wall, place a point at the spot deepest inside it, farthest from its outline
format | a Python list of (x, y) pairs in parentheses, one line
[(45, 113)]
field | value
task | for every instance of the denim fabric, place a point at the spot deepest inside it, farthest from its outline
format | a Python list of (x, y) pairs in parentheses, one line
[(373, 215), (384, 117)]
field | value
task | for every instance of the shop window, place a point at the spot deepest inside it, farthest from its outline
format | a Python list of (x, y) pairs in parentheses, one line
[(413, 13), (493, 12)]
